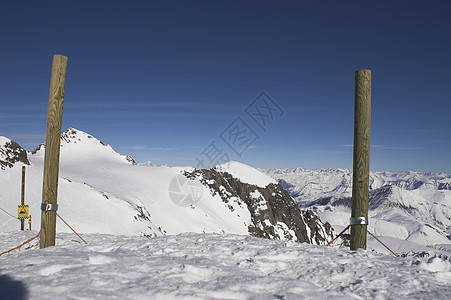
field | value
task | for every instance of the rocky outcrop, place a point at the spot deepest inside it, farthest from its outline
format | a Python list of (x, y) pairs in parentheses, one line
[(274, 213), (11, 153)]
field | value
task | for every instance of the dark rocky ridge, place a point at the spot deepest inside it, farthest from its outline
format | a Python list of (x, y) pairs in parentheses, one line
[(273, 211), (10, 153)]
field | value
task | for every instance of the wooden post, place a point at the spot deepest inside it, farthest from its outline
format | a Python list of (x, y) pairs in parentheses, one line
[(52, 150), (361, 159), (22, 198)]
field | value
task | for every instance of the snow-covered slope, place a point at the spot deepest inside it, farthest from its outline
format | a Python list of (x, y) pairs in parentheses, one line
[(410, 206), (211, 266), (101, 191), (245, 174)]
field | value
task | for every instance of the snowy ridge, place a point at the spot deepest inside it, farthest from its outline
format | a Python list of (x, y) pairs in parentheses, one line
[(147, 164), (272, 212), (92, 148), (10, 153), (101, 191), (307, 185), (246, 174), (409, 206)]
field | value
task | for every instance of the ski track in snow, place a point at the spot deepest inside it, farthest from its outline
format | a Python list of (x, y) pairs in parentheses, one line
[(210, 266)]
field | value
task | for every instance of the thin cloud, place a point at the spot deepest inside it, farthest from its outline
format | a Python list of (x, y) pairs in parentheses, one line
[(139, 147), (30, 144), (22, 116), (24, 136), (415, 130), (153, 104), (395, 147), (14, 108), (331, 151), (386, 147), (148, 114)]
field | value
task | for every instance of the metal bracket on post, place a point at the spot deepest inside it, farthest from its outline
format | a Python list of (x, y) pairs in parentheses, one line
[(49, 206), (358, 221)]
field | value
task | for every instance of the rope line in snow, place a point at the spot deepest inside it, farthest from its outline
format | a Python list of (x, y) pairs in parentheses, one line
[(71, 228), (29, 240), (330, 243), (18, 247), (8, 213), (383, 244)]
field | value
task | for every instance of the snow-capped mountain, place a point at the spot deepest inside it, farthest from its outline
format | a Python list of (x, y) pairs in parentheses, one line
[(268, 203), (148, 164), (306, 185), (410, 206), (214, 211), (10, 153), (101, 191)]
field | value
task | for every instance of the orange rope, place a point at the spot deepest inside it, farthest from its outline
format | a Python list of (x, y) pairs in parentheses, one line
[(29, 240), (383, 244), (328, 244), (21, 245), (71, 228)]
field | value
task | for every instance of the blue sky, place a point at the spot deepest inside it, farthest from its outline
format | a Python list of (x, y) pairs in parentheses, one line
[(170, 81)]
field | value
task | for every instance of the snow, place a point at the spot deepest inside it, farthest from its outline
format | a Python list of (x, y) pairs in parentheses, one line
[(113, 203), (211, 266), (310, 185), (261, 204), (4, 140), (409, 206), (101, 191), (246, 173)]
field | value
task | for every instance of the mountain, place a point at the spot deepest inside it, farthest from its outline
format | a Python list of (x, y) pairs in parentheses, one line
[(147, 164), (410, 206), (274, 214), (203, 226), (307, 185), (102, 191), (10, 153)]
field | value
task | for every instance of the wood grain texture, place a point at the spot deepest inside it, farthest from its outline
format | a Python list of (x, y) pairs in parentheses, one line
[(361, 156), (52, 148), (22, 197)]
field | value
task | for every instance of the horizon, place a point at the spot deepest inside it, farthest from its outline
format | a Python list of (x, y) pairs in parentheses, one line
[(252, 166), (269, 84)]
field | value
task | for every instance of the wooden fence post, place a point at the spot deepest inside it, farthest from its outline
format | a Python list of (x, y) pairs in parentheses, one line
[(361, 159), (22, 198), (52, 151)]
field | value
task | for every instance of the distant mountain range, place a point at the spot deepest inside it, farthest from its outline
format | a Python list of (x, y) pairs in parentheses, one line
[(101, 191), (411, 206)]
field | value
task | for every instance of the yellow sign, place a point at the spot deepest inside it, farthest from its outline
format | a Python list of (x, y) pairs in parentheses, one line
[(22, 212)]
